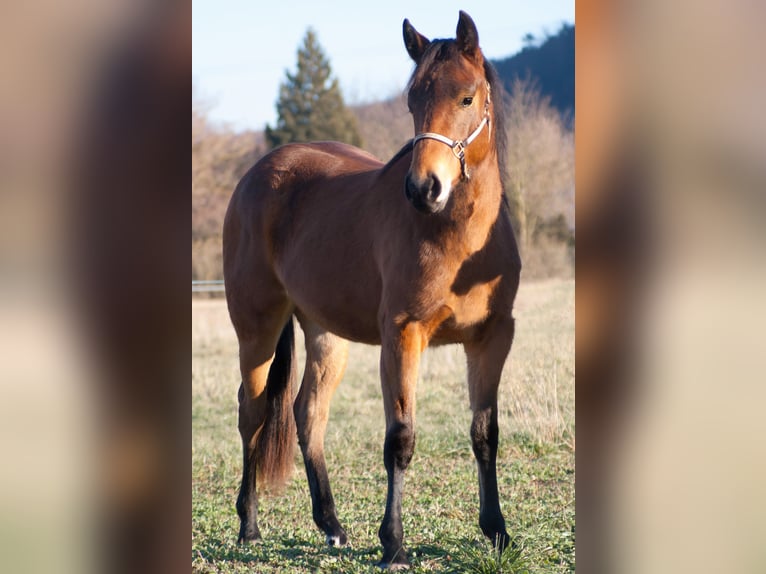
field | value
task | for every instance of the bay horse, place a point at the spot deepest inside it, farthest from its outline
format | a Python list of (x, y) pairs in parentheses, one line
[(417, 252)]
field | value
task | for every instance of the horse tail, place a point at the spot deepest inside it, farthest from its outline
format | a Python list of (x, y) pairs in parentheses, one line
[(275, 440)]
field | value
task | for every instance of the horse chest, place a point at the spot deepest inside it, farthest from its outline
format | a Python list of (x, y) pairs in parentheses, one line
[(453, 299), (452, 317), (473, 306)]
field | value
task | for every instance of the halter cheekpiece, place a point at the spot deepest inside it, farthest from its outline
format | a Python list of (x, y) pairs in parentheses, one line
[(458, 146)]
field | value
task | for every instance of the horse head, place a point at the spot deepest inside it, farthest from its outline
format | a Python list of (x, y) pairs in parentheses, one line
[(450, 100)]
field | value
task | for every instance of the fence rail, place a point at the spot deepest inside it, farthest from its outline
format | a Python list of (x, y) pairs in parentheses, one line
[(208, 286)]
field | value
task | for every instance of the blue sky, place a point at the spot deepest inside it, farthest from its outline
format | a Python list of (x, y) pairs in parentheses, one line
[(242, 48)]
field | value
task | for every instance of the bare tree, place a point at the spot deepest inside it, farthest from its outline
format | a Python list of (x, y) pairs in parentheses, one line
[(385, 126), (220, 157), (540, 181)]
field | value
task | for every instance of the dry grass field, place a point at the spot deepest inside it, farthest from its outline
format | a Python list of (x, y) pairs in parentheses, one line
[(440, 508)]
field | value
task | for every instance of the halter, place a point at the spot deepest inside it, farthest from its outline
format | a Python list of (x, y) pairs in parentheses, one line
[(458, 146)]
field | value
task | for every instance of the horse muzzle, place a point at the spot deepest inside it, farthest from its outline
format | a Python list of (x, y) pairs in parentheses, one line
[(427, 195)]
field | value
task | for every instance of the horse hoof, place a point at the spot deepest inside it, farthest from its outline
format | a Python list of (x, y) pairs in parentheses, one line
[(394, 566), (398, 562), (336, 539), (250, 537), (502, 541), (242, 541)]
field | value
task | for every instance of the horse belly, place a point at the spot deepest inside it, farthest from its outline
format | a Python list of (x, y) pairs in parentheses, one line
[(341, 297), (342, 316)]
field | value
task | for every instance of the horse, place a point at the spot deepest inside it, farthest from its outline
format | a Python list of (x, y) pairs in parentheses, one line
[(417, 252)]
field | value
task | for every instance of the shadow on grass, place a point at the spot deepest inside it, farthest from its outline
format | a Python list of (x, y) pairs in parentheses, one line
[(455, 556), (217, 551), (286, 551)]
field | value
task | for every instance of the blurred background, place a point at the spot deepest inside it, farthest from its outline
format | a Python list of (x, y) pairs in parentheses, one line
[(671, 175), (94, 212), (670, 179)]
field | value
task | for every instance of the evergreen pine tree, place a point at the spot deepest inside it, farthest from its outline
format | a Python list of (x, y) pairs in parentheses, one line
[(310, 104)]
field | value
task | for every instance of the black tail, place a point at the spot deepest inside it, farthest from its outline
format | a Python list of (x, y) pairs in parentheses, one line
[(275, 440)]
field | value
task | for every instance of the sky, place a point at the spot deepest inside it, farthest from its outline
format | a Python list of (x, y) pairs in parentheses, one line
[(242, 48)]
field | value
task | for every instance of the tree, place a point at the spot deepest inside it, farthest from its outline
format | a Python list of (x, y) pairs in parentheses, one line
[(310, 104), (528, 40), (385, 126), (540, 182), (220, 157)]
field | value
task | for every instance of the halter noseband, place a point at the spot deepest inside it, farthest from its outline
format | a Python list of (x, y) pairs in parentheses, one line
[(458, 146)]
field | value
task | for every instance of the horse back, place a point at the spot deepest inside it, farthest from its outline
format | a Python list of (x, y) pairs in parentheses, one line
[(280, 183)]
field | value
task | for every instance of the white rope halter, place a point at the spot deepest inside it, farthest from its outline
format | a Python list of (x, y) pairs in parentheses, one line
[(458, 146)]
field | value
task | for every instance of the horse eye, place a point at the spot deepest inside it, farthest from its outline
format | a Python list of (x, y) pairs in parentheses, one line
[(467, 101)]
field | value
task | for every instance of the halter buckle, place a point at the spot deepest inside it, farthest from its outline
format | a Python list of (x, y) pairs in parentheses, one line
[(458, 148)]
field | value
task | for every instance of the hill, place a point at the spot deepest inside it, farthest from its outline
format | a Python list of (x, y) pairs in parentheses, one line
[(550, 64)]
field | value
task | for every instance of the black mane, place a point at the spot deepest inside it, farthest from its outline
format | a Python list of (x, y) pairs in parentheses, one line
[(406, 148)]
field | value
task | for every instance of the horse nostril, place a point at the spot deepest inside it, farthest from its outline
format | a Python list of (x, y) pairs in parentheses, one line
[(409, 187), (422, 193), (435, 187)]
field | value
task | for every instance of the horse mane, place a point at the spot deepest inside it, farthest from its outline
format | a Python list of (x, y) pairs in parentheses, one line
[(443, 50), (406, 148), (500, 129)]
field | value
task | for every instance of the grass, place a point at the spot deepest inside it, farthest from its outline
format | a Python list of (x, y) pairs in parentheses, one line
[(440, 506)]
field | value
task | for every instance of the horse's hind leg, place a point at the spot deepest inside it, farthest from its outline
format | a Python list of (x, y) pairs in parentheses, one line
[(485, 364), (326, 356), (258, 338)]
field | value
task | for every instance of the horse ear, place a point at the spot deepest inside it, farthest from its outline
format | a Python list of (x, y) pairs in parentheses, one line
[(467, 36), (414, 41)]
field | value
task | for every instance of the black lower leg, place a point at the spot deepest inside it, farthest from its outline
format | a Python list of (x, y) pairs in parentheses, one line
[(322, 503), (397, 453), (247, 504), (484, 437)]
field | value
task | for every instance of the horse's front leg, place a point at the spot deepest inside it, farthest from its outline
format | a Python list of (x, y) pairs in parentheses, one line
[(486, 358), (400, 356)]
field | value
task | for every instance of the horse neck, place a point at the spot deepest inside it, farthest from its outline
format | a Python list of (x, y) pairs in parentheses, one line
[(475, 206)]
